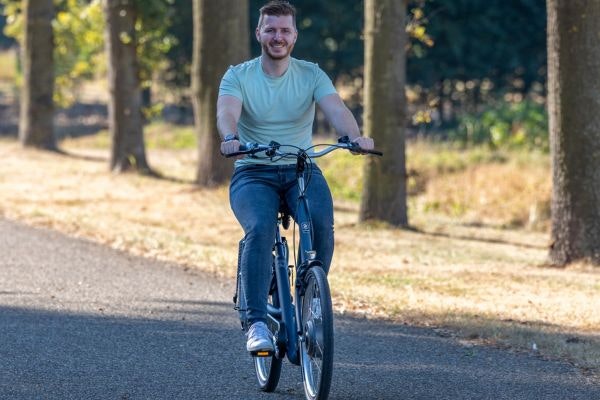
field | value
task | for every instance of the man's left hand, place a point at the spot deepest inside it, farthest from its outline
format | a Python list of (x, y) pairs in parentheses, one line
[(365, 143)]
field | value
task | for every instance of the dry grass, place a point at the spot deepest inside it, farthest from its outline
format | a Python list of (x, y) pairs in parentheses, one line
[(457, 270), (8, 65)]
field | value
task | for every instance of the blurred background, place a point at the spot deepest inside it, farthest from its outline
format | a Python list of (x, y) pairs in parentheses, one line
[(475, 92), (476, 71)]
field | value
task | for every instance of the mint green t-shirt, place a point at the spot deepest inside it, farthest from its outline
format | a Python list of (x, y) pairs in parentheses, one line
[(280, 109)]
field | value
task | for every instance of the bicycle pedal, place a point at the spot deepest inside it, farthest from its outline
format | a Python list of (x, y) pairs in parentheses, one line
[(262, 353)]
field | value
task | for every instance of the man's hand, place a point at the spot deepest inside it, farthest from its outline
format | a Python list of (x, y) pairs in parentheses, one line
[(365, 143), (230, 146)]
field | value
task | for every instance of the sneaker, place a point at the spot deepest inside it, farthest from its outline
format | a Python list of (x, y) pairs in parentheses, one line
[(259, 338)]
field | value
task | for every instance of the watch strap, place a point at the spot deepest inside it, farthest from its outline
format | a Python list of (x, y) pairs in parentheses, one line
[(229, 137)]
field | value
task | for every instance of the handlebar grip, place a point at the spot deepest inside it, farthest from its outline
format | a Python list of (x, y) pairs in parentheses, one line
[(356, 148), (237, 153)]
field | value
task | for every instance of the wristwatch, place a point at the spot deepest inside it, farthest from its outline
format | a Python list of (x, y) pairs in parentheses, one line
[(229, 137)]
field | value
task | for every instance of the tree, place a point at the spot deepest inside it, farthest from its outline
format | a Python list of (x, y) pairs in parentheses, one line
[(220, 39), (574, 119), (384, 195), (125, 102), (37, 106)]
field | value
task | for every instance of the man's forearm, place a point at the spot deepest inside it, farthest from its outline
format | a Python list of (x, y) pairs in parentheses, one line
[(345, 124), (339, 116), (226, 125), (229, 109)]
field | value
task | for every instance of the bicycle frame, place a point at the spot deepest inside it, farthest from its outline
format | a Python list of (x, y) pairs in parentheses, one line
[(285, 316)]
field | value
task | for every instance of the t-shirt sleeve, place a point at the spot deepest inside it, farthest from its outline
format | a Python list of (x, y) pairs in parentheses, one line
[(230, 85), (323, 85)]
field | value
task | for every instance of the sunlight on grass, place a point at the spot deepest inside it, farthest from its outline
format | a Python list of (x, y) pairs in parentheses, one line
[(8, 65), (161, 135), (343, 172), (157, 136)]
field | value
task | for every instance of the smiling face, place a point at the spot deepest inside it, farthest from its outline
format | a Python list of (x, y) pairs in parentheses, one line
[(277, 35)]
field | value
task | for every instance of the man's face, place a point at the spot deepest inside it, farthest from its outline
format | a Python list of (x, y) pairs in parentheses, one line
[(277, 36)]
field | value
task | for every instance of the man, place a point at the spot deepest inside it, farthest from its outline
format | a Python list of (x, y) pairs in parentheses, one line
[(272, 98)]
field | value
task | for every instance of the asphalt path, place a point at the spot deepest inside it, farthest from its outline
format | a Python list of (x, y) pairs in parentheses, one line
[(82, 321)]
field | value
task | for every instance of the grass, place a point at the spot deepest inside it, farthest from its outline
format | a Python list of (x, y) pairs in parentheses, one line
[(473, 266), (8, 65), (158, 135)]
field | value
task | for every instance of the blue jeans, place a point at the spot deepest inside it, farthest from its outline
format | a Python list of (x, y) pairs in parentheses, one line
[(255, 192)]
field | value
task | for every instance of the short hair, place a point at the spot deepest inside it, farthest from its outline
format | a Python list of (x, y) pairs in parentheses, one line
[(277, 8)]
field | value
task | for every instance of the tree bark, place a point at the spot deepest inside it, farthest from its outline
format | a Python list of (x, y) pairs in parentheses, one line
[(574, 120), (221, 38), (384, 194), (37, 107), (124, 106)]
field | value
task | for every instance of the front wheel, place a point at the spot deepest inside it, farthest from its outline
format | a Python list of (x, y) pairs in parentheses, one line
[(316, 344)]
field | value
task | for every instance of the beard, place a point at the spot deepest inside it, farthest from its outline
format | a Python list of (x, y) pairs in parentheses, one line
[(277, 56)]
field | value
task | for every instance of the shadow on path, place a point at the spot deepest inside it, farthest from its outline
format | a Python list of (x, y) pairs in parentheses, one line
[(82, 321), (53, 355)]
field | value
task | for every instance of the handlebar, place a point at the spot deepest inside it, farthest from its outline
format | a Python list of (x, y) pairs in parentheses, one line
[(273, 149)]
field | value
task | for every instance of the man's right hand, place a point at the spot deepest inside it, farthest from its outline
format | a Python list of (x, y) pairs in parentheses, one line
[(230, 146)]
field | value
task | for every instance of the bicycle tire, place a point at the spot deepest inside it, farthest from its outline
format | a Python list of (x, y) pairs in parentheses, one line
[(316, 345), (239, 297), (268, 369)]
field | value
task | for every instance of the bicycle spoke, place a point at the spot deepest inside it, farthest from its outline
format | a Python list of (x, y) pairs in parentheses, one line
[(268, 369), (317, 330)]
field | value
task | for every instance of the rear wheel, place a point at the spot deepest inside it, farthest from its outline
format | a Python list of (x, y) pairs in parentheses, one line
[(268, 369), (316, 346)]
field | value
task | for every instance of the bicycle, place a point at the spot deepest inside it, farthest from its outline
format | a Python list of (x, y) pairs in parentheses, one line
[(300, 319)]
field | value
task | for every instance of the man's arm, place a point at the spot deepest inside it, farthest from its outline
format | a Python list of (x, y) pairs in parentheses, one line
[(229, 109), (342, 120)]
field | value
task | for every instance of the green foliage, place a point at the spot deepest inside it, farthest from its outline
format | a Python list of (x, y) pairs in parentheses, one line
[(177, 72), (416, 28), (79, 41), (5, 41), (506, 124), (502, 41), (153, 40), (13, 19)]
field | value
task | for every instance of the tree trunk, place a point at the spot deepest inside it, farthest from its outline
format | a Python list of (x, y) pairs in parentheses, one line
[(37, 107), (124, 106), (221, 38), (574, 119), (384, 194)]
